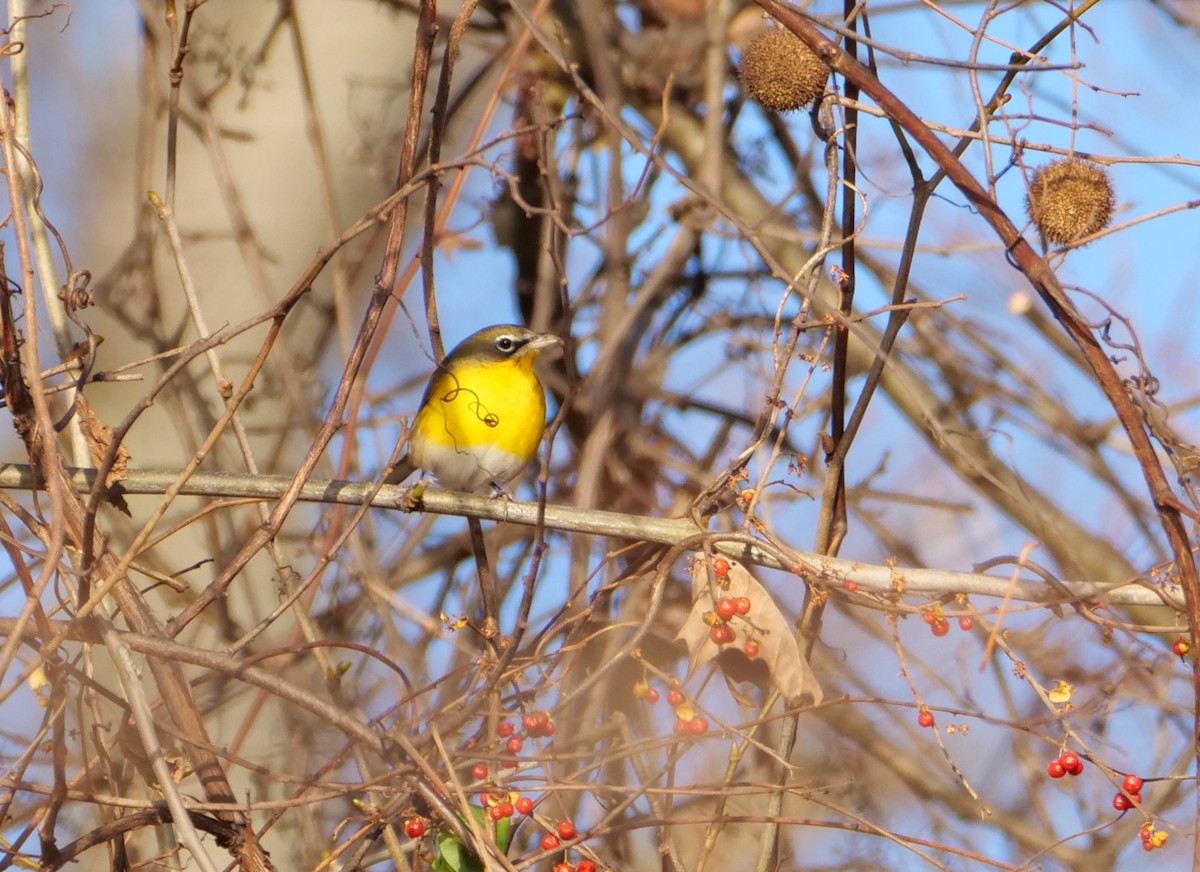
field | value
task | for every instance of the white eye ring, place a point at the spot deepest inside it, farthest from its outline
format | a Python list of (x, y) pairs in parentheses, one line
[(506, 343)]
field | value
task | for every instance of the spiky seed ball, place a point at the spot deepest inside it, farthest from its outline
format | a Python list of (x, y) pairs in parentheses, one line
[(780, 72), (1070, 199)]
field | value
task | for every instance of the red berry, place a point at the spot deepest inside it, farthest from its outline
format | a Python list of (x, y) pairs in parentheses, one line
[(726, 608), (675, 697), (504, 729), (414, 828), (523, 804), (717, 634), (563, 867), (941, 627), (925, 718), (550, 842), (928, 616), (1071, 762), (479, 771), (651, 695), (1055, 769), (1121, 802), (750, 649), (1182, 647), (1132, 783), (965, 623), (506, 808), (1146, 832), (514, 744), (742, 604), (850, 584), (508, 762), (539, 724), (720, 567), (585, 866), (1147, 845), (496, 814), (698, 724), (566, 830), (681, 725)]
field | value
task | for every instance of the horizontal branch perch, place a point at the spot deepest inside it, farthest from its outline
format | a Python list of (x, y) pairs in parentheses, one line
[(667, 531)]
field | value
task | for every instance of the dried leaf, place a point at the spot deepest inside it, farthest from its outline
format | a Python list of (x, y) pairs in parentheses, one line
[(38, 682), (99, 438), (454, 623), (1061, 693), (764, 623)]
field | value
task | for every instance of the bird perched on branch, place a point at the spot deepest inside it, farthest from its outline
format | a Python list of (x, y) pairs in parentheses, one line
[(483, 413)]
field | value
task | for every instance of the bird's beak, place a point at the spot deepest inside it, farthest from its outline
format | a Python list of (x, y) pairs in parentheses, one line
[(542, 340)]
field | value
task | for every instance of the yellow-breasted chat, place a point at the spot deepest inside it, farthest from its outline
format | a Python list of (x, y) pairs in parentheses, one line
[(483, 413)]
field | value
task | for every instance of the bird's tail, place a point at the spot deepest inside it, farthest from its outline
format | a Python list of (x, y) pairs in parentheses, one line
[(402, 470)]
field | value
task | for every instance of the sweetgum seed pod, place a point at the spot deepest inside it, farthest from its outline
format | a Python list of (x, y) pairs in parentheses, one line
[(780, 73), (1069, 199)]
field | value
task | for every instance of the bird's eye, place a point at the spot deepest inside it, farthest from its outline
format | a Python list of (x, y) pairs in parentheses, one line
[(506, 343)]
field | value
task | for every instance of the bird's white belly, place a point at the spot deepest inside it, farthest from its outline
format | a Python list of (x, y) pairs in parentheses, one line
[(468, 468)]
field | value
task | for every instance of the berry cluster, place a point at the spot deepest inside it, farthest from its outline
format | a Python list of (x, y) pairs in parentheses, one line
[(939, 625), (1129, 796), (643, 690), (1152, 838), (1066, 763), (1130, 793), (583, 866), (687, 719), (501, 805), (565, 832), (538, 725), (727, 608), (498, 806)]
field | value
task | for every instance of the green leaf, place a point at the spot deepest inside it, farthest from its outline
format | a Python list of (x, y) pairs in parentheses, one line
[(454, 856)]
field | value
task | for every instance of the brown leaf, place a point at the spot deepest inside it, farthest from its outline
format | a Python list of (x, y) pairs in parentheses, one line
[(99, 438), (764, 623)]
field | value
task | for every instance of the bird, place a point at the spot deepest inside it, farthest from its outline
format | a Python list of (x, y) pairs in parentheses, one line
[(483, 413)]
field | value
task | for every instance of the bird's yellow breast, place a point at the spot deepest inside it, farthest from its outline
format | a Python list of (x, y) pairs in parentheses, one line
[(480, 422)]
